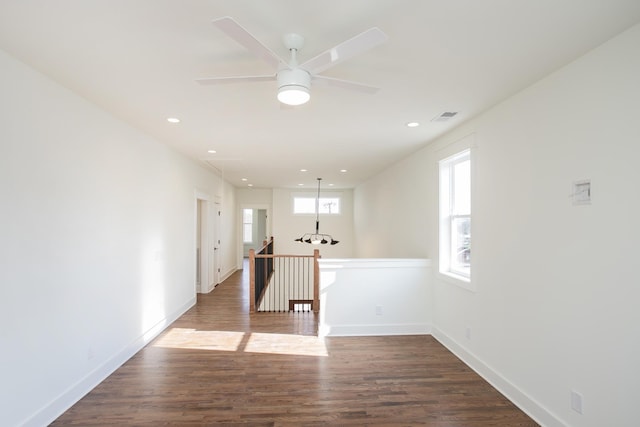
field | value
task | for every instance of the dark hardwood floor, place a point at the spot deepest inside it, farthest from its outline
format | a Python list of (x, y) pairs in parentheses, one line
[(218, 365)]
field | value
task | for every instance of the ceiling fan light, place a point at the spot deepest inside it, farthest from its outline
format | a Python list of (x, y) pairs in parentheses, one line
[(293, 95), (293, 86)]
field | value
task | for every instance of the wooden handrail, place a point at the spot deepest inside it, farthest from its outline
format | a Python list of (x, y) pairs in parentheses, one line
[(252, 275), (283, 256), (265, 243)]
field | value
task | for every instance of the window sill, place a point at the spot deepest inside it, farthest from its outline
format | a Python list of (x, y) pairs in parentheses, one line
[(460, 281)]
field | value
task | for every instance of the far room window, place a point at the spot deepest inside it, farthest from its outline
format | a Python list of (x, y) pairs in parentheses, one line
[(307, 205), (247, 225), (455, 215)]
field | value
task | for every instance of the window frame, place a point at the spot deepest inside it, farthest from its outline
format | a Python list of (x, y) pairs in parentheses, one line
[(448, 216), (244, 226), (331, 196)]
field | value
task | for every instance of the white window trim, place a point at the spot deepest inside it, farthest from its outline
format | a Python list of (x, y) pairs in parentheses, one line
[(327, 195), (247, 242), (462, 148)]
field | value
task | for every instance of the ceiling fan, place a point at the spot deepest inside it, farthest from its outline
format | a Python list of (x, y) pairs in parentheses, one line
[(294, 80)]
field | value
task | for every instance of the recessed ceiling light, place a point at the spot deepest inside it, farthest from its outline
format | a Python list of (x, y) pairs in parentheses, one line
[(303, 170), (343, 170), (300, 185), (330, 185), (244, 179), (173, 120), (212, 151), (249, 185), (413, 124)]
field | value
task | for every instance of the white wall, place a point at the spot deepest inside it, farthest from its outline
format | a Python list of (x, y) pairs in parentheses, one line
[(287, 227), (97, 242), (230, 245), (391, 212), (375, 297), (556, 301), (255, 196)]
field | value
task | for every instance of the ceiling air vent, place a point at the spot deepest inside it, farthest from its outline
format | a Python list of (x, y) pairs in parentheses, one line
[(444, 116)]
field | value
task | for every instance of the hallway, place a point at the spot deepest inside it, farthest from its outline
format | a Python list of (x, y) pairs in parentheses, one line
[(219, 365)]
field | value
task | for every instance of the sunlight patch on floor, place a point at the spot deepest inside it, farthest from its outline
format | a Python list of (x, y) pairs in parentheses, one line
[(285, 344), (296, 345), (200, 340)]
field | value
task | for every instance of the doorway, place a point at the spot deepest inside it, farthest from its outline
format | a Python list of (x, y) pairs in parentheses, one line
[(254, 229)]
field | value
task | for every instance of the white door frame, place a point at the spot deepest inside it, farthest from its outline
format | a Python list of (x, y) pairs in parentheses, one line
[(202, 211), (217, 245), (240, 239)]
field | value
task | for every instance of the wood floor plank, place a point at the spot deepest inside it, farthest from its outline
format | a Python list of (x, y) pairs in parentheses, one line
[(220, 365)]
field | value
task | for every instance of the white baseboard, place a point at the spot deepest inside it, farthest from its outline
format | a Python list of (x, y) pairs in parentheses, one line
[(223, 277), (374, 330), (527, 404), (77, 391), (227, 274)]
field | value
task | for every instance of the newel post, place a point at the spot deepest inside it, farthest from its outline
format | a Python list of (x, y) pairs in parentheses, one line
[(252, 281), (316, 281)]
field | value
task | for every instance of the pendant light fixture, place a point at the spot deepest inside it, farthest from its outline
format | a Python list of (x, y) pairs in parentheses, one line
[(317, 238)]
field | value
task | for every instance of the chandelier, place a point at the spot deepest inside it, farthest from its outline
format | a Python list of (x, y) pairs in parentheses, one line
[(317, 237)]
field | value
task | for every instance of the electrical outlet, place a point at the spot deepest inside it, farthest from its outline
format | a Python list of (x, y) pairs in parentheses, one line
[(378, 310), (468, 333), (582, 192), (576, 401)]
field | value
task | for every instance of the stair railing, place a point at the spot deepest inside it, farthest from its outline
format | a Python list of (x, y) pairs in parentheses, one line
[(283, 282)]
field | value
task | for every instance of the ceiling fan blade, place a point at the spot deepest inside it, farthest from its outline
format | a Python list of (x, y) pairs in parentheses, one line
[(236, 79), (345, 50), (346, 84), (234, 30)]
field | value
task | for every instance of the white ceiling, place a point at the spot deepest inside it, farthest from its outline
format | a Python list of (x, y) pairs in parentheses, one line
[(138, 59)]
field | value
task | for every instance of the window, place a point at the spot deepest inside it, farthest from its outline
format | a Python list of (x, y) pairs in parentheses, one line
[(307, 205), (247, 225), (455, 216)]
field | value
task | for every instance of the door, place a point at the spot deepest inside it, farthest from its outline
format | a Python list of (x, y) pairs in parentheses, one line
[(217, 253), (202, 249), (198, 245)]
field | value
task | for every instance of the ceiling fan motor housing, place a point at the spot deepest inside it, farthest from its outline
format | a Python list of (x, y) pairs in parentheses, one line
[(294, 77)]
